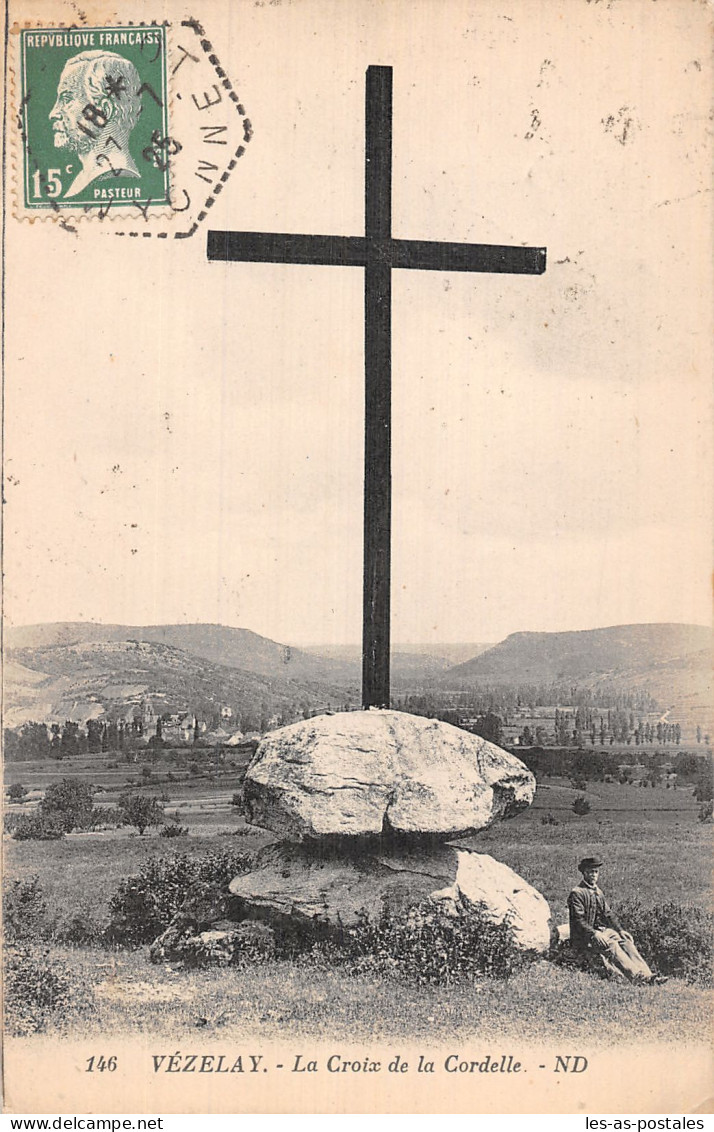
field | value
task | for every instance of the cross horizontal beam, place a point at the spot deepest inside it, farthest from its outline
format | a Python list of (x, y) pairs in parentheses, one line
[(358, 251), (378, 253)]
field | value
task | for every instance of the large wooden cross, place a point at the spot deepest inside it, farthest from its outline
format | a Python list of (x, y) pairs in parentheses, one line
[(378, 253)]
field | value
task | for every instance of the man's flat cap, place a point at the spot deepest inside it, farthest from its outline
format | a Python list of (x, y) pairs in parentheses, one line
[(590, 863)]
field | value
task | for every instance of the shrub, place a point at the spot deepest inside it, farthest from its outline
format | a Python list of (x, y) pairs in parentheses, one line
[(145, 903), (704, 788), (39, 827), (674, 939), (68, 801), (79, 928), (581, 806), (26, 917), (10, 821), (548, 819), (140, 811), (706, 811), (104, 817), (98, 817), (424, 944), (174, 830), (16, 792), (35, 988), (24, 908)]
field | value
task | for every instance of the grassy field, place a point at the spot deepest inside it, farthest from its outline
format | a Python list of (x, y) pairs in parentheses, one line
[(654, 847), (122, 993)]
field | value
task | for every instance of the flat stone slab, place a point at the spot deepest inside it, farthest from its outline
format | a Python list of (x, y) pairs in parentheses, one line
[(364, 773), (318, 893)]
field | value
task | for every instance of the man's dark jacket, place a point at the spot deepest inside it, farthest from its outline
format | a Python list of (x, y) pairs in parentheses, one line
[(589, 912)]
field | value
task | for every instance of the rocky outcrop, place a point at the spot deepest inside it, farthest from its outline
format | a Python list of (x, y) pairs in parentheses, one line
[(365, 803), (321, 892), (210, 929), (355, 774)]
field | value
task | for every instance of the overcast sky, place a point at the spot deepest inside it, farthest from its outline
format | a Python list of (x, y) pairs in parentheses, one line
[(184, 440)]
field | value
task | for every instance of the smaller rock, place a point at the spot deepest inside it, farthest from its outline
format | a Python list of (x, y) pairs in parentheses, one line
[(231, 945)]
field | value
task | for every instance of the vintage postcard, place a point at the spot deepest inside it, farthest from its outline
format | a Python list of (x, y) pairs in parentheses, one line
[(357, 703)]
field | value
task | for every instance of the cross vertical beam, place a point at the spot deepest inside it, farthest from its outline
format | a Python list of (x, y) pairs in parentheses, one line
[(378, 389), (378, 254)]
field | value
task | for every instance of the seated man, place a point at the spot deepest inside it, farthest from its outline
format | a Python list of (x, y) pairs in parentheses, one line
[(597, 935)]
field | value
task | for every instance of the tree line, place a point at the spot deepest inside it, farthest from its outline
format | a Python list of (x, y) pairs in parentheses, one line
[(511, 700)]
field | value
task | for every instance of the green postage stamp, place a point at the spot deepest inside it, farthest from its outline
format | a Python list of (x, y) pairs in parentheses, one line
[(95, 117)]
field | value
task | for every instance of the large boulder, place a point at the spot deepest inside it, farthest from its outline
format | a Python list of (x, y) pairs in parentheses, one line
[(321, 892), (364, 773)]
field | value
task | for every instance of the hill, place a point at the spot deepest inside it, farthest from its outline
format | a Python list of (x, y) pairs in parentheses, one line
[(73, 670), (557, 657), (412, 665), (85, 679), (340, 666), (234, 648), (671, 662)]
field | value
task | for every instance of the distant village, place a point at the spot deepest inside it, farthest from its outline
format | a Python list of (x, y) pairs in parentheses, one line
[(147, 723)]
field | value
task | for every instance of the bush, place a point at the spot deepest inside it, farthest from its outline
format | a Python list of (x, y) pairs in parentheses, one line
[(581, 806), (35, 988), (16, 792), (140, 811), (26, 917), (145, 903), (10, 821), (174, 830), (425, 944), (24, 908), (706, 811), (548, 819), (69, 802), (39, 827), (79, 928), (674, 939), (104, 817)]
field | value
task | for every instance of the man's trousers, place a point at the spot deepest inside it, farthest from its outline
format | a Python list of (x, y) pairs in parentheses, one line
[(620, 957)]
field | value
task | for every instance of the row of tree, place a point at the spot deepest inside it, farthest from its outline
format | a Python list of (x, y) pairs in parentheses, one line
[(69, 805), (34, 741), (581, 767), (615, 726), (508, 701), (38, 741)]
